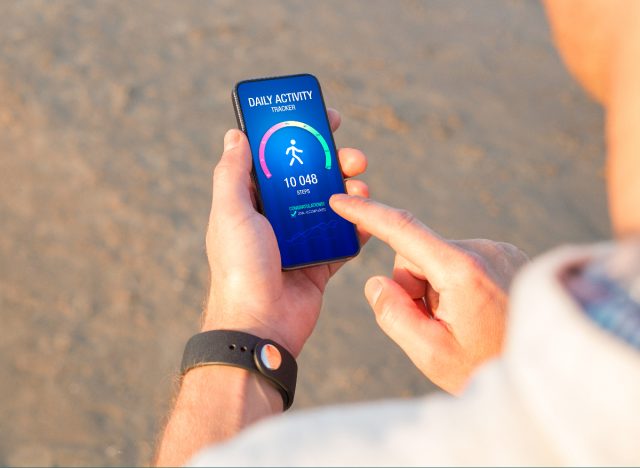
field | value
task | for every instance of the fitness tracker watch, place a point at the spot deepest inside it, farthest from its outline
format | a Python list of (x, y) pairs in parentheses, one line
[(239, 349)]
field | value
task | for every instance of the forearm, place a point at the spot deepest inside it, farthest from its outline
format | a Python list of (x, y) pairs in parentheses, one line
[(214, 403)]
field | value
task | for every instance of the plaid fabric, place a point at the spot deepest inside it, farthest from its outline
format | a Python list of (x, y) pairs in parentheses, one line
[(608, 289)]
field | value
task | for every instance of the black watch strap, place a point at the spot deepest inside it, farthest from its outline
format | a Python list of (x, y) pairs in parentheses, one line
[(239, 349)]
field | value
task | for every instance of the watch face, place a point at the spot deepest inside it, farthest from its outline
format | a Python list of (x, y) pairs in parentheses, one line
[(270, 357)]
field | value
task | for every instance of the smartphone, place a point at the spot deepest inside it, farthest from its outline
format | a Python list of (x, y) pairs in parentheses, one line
[(295, 168)]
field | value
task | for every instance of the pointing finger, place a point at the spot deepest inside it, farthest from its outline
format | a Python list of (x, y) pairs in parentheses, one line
[(403, 233)]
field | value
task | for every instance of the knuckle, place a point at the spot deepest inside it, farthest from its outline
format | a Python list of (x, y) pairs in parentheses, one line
[(403, 218), (220, 170), (225, 170), (486, 247), (386, 315), (481, 242), (506, 247), (471, 267), (365, 202), (496, 249), (360, 205), (514, 253)]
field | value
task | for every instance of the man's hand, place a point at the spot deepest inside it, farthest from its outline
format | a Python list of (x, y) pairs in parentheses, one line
[(249, 292), (446, 304)]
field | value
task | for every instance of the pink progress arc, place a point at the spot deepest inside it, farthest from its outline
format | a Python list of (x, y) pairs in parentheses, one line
[(292, 123)]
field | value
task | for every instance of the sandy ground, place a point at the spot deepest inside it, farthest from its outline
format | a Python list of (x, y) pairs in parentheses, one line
[(108, 116)]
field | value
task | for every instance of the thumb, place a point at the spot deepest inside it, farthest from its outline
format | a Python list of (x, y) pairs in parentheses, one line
[(419, 336), (232, 184)]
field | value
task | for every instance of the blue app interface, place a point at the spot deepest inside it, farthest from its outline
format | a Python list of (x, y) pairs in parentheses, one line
[(297, 169)]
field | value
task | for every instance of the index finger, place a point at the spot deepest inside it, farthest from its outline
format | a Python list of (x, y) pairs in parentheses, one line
[(403, 233)]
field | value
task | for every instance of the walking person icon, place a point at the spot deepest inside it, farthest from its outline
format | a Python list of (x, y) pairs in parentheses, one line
[(293, 150)]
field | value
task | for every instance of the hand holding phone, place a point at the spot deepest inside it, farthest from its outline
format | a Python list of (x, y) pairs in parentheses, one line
[(249, 291), (295, 168)]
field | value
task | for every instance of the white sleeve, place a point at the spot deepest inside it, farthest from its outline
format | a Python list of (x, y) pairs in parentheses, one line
[(329, 436), (480, 428)]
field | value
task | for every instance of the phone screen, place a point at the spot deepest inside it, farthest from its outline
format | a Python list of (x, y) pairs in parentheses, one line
[(296, 168)]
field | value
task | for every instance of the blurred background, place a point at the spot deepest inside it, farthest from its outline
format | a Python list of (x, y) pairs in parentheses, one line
[(111, 119)]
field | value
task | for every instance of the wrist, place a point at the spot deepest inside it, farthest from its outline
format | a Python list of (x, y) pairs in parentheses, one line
[(214, 404), (248, 397), (212, 320), (264, 357)]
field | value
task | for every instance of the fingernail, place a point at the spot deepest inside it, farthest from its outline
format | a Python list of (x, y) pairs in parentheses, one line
[(231, 139), (372, 290)]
